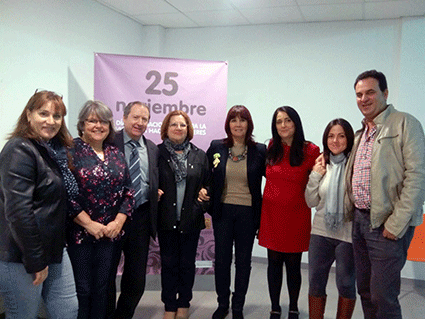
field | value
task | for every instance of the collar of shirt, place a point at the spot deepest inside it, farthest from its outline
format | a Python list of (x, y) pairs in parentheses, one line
[(370, 128), (128, 139)]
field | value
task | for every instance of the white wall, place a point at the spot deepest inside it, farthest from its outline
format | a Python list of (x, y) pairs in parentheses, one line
[(312, 67), (51, 44)]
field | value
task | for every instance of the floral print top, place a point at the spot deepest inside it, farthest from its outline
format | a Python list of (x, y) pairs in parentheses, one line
[(105, 189)]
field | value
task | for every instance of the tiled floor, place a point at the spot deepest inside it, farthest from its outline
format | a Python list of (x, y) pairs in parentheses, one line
[(412, 298), (257, 305)]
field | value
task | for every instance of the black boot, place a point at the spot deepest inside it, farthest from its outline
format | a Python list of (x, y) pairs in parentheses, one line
[(220, 313), (237, 314)]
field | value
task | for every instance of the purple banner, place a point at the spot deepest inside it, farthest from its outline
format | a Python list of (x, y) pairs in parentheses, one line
[(197, 87)]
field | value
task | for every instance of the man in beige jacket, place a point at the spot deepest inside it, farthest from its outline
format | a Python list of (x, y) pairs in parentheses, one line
[(385, 190)]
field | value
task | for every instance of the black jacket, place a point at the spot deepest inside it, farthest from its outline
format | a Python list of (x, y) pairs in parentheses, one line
[(32, 206), (256, 168), (192, 213), (153, 176)]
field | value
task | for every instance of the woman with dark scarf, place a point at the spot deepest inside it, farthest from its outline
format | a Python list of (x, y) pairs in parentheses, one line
[(35, 182), (183, 172), (330, 238)]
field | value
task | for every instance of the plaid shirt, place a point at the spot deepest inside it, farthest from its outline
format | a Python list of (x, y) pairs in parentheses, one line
[(361, 169)]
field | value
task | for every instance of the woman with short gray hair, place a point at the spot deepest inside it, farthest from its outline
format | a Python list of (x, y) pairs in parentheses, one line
[(98, 214)]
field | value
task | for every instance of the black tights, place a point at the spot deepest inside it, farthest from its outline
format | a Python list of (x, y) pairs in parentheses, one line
[(275, 276)]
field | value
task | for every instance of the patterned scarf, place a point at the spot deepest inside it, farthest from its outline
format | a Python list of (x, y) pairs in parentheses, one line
[(59, 154), (178, 160)]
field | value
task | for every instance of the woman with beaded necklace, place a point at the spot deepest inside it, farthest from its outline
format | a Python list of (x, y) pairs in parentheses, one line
[(237, 164)]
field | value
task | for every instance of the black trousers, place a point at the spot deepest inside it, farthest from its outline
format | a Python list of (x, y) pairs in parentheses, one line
[(236, 225), (135, 246), (178, 254), (92, 266)]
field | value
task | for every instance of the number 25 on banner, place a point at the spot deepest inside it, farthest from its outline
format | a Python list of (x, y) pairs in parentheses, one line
[(168, 81)]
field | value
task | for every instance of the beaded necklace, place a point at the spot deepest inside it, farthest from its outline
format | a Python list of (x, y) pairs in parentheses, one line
[(238, 158)]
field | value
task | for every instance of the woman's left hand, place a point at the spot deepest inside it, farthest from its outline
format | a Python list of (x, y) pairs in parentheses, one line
[(114, 227)]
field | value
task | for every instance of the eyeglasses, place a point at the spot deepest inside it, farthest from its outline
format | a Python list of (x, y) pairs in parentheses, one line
[(51, 92), (176, 125), (94, 122)]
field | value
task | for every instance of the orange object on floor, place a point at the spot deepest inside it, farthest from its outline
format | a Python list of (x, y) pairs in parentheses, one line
[(417, 246)]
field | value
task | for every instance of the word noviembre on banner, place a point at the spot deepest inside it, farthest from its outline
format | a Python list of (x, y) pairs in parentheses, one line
[(165, 108)]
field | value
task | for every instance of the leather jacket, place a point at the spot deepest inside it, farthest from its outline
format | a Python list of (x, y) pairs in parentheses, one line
[(397, 182), (32, 206)]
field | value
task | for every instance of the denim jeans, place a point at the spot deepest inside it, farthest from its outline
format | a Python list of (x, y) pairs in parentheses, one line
[(22, 299), (379, 262), (322, 253)]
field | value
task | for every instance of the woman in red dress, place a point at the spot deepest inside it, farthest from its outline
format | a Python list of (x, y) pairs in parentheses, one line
[(285, 217)]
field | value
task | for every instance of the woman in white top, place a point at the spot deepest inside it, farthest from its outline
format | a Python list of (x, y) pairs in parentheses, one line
[(331, 235)]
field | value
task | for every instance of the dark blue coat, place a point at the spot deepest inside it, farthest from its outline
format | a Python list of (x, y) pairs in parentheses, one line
[(256, 166)]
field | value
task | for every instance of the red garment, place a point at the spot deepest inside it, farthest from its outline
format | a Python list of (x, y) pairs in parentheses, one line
[(285, 217)]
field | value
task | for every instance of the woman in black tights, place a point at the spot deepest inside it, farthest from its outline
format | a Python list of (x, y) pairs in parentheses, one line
[(285, 217)]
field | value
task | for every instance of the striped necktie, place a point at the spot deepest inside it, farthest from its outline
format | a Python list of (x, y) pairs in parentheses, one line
[(135, 174)]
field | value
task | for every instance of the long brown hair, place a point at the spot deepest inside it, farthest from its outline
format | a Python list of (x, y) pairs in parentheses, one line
[(275, 152), (40, 98)]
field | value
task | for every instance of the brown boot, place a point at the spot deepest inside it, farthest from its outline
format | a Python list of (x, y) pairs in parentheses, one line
[(316, 307), (182, 313), (345, 308), (169, 315)]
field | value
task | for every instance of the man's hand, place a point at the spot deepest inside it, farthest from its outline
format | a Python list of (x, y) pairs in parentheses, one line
[(203, 195), (160, 193), (388, 235)]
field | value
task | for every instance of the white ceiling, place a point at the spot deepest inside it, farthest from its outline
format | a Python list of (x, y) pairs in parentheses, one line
[(207, 13)]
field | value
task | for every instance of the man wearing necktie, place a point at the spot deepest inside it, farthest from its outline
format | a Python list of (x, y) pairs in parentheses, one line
[(142, 158)]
